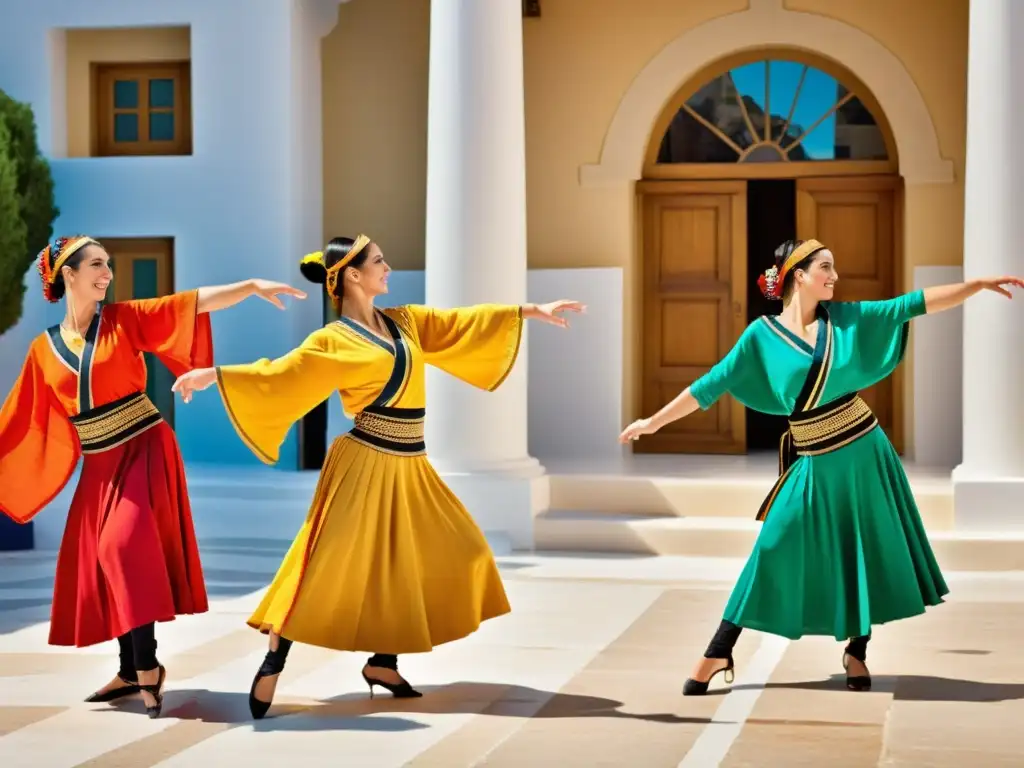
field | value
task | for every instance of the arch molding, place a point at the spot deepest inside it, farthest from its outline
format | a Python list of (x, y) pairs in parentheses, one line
[(767, 24)]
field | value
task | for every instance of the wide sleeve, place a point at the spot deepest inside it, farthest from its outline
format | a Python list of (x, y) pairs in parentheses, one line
[(38, 446), (263, 399), (881, 331), (892, 314), (172, 328), (730, 375), (478, 344)]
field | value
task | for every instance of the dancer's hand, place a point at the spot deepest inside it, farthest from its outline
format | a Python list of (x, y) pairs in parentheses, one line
[(636, 429), (549, 313), (194, 381), (269, 291), (1002, 284), (939, 298)]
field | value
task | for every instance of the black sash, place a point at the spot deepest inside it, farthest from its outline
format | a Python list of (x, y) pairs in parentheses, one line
[(396, 383), (81, 366), (398, 431), (108, 426), (808, 399)]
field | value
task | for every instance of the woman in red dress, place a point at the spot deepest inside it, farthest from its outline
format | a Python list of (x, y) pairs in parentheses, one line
[(129, 556)]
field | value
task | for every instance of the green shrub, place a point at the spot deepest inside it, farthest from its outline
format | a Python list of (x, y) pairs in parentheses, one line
[(27, 208)]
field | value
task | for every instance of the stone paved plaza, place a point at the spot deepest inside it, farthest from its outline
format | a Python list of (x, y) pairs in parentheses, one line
[(586, 671)]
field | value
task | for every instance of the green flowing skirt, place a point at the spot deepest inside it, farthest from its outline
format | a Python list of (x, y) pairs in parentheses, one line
[(843, 548)]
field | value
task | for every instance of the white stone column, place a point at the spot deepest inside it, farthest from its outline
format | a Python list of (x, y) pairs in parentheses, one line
[(989, 484), (476, 253)]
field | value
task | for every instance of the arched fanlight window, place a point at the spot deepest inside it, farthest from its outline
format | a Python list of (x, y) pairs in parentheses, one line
[(810, 116)]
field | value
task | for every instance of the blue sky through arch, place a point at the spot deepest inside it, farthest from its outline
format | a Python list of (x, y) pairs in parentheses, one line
[(818, 94)]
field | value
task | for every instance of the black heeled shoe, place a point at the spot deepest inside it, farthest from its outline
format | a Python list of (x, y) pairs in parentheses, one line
[(699, 687), (156, 692), (130, 688), (400, 690), (855, 682)]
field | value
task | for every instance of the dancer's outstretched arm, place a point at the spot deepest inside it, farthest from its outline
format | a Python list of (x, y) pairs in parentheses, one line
[(943, 297), (682, 405), (216, 297)]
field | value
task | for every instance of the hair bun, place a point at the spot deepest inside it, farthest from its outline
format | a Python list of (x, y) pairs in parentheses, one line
[(784, 250), (313, 268)]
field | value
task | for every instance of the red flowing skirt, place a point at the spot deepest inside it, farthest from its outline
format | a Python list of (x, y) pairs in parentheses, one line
[(129, 555)]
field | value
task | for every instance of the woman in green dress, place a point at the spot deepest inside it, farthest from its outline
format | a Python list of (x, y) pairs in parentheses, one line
[(842, 546)]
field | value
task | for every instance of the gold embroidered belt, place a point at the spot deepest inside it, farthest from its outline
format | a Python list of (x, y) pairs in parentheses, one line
[(820, 430), (392, 430), (108, 426), (830, 427)]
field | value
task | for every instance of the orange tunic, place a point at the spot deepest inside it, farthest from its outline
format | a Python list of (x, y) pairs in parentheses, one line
[(129, 555)]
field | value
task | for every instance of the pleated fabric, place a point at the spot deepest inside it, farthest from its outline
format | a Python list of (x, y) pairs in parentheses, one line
[(387, 561), (843, 549)]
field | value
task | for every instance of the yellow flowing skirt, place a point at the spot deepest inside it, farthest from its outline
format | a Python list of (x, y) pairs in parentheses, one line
[(387, 561)]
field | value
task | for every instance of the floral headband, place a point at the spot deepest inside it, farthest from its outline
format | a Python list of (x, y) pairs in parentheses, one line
[(772, 280), (60, 250), (317, 257)]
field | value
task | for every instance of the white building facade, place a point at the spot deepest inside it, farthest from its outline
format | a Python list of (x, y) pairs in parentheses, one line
[(247, 199)]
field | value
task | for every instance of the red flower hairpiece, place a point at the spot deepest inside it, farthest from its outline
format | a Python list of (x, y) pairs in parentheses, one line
[(46, 273), (770, 284)]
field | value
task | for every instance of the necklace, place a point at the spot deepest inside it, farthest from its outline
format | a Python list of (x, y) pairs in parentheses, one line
[(72, 338)]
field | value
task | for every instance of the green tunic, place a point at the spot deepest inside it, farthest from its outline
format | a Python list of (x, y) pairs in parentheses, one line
[(844, 546)]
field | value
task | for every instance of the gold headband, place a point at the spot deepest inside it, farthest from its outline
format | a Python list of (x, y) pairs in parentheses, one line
[(772, 280), (800, 253), (317, 257), (70, 249)]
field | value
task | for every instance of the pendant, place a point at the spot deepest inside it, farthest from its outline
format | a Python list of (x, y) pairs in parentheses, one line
[(72, 338)]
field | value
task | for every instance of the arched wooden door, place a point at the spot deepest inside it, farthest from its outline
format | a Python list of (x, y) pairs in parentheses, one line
[(753, 117)]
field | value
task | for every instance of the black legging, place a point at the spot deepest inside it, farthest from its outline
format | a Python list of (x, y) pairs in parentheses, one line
[(725, 638), (137, 650), (274, 661)]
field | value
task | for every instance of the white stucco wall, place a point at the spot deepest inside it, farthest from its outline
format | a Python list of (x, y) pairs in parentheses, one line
[(247, 202)]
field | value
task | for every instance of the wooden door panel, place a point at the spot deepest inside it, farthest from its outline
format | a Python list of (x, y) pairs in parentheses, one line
[(856, 218), (694, 251), (144, 269)]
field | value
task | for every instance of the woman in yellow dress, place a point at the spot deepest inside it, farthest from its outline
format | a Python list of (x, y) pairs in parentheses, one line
[(388, 560)]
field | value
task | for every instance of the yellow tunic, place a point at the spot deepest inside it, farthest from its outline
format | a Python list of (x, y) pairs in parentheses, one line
[(388, 559)]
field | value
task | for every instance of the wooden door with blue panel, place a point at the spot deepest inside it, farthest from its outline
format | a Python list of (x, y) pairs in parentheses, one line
[(144, 269)]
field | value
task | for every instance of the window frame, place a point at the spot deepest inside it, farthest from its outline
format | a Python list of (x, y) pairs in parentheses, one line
[(792, 169), (104, 76)]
